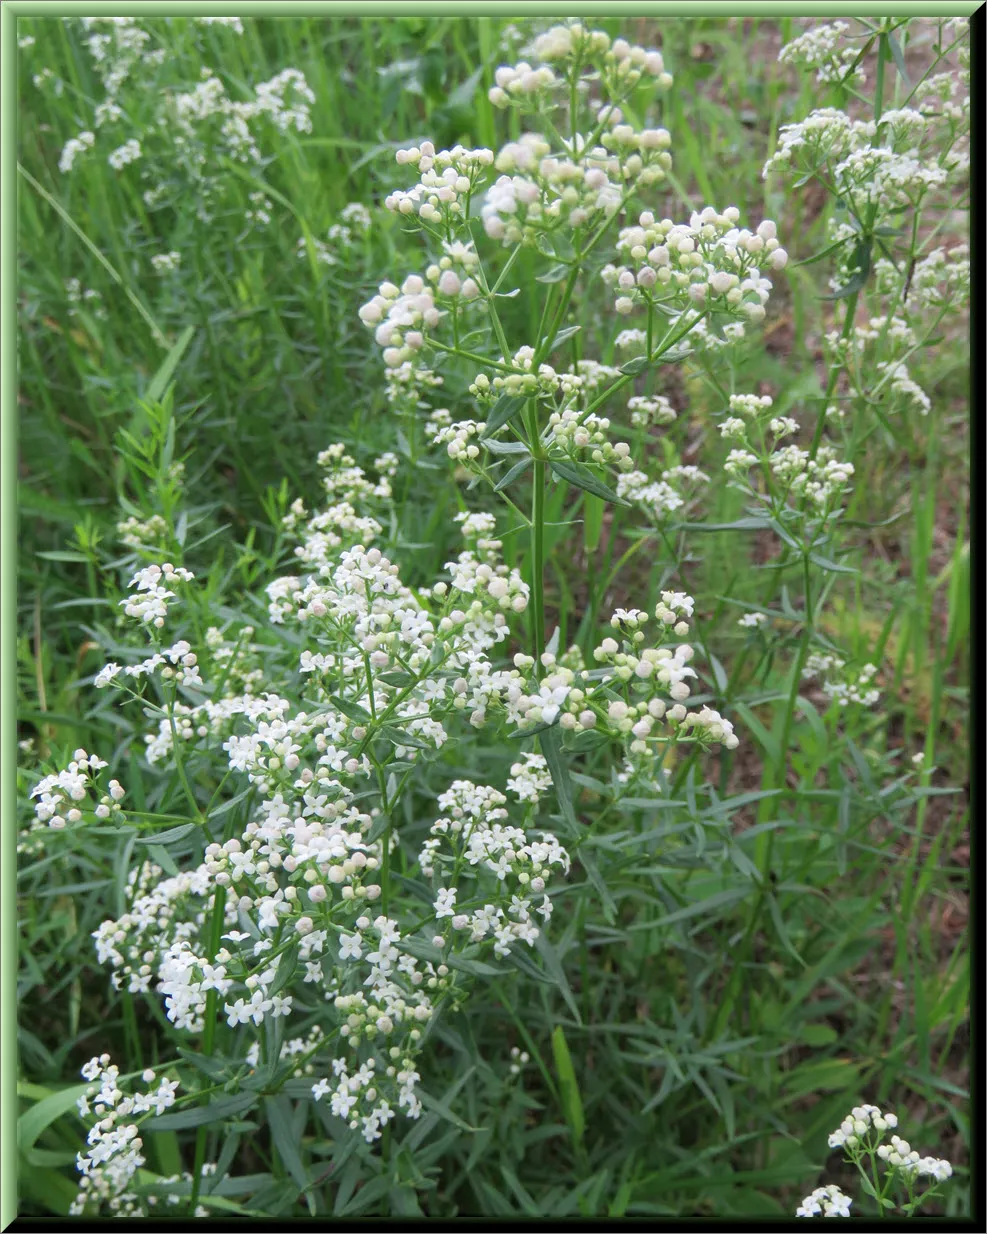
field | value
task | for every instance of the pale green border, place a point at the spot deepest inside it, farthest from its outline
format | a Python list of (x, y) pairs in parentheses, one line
[(492, 8), (8, 361), (8, 619)]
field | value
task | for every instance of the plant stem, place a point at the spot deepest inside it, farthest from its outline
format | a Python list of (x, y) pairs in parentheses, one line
[(537, 545), (208, 1038)]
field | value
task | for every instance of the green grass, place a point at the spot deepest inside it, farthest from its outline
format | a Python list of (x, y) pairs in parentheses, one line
[(705, 1028)]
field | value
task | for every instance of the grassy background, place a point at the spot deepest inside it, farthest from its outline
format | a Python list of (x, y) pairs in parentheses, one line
[(703, 1090)]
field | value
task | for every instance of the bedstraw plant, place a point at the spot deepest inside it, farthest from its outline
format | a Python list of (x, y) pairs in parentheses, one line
[(458, 812)]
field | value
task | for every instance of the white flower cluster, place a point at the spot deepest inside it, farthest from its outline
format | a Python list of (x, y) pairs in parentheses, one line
[(674, 490), (185, 670), (77, 295), (858, 1124), (474, 838), (876, 168), (149, 604), (519, 1059), (356, 1099), (573, 50), (901, 1156), (820, 482), (143, 533), (623, 698), (839, 684), (448, 180), (862, 1131), (457, 439), (231, 23), (577, 188), (129, 152), (830, 1201), (941, 280), (114, 1156), (166, 263), (708, 261), (64, 796), (401, 316), (823, 48), (73, 148), (405, 390), (118, 47), (936, 97), (902, 384), (529, 778), (646, 410), (354, 221)]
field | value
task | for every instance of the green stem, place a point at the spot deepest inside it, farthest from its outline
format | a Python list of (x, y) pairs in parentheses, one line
[(208, 1038), (538, 556)]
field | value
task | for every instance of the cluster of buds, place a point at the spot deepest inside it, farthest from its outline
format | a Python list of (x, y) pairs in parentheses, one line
[(526, 381), (448, 179), (574, 50), (709, 260), (646, 410), (590, 435)]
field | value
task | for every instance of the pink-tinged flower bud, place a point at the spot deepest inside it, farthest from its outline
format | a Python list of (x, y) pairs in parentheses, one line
[(449, 283)]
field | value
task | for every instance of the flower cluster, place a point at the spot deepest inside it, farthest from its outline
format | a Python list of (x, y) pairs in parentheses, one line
[(823, 48), (65, 796), (150, 603), (843, 687), (707, 262), (638, 693), (675, 489), (575, 189), (494, 859), (572, 49), (179, 135), (578, 435), (861, 1136), (830, 1201), (794, 481), (402, 316), (646, 410), (109, 1166), (73, 148), (875, 168), (448, 180)]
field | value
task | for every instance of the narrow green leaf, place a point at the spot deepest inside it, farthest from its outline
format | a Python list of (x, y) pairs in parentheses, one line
[(505, 408), (509, 477), (171, 836), (41, 1115), (583, 477), (506, 447), (553, 275), (159, 382), (279, 1119), (398, 737), (551, 747), (767, 743), (563, 336), (204, 1115), (899, 59), (351, 710), (572, 1105)]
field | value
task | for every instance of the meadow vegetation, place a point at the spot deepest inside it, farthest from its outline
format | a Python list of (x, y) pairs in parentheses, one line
[(493, 617)]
